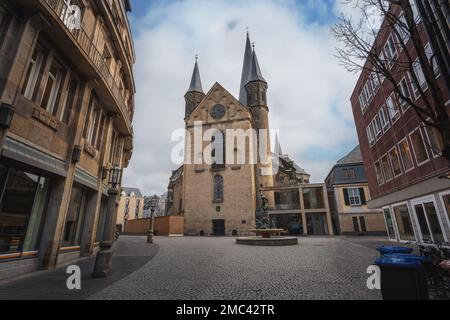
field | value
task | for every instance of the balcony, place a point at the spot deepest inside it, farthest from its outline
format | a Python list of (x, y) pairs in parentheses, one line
[(62, 12)]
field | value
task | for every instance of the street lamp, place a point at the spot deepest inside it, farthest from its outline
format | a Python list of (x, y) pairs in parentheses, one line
[(6, 115), (103, 261), (153, 205)]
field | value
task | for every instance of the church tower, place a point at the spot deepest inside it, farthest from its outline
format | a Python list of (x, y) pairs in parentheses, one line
[(195, 93), (256, 88)]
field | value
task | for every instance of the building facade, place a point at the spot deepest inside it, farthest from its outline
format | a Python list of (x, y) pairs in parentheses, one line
[(67, 88), (348, 192), (407, 176), (226, 197), (131, 207)]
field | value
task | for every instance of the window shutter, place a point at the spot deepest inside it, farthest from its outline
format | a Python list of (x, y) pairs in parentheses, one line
[(363, 196), (346, 198)]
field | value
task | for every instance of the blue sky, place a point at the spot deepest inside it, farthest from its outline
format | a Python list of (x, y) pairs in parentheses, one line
[(308, 91)]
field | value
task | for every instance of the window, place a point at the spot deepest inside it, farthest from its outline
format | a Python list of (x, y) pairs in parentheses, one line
[(379, 173), (113, 158), (70, 93), (370, 134), (384, 119), (432, 59), (218, 189), (430, 227), (354, 197), (419, 149), (418, 71), (138, 205), (446, 202), (403, 221), (386, 168), (390, 51), (349, 173), (95, 124), (34, 66), (313, 198), (403, 86), (395, 162), (389, 223), (376, 123), (375, 81), (393, 108), (402, 29), (435, 140), (23, 201), (51, 91), (405, 155), (73, 228)]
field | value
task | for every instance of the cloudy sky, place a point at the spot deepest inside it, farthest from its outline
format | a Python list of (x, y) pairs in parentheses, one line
[(308, 94)]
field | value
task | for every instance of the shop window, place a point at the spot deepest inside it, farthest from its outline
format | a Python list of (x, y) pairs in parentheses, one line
[(405, 155), (75, 218), (313, 198), (403, 221), (419, 149), (389, 223), (22, 207), (446, 202), (430, 227), (395, 162)]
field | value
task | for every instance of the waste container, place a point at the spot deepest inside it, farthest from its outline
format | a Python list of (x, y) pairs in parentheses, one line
[(392, 249), (403, 277)]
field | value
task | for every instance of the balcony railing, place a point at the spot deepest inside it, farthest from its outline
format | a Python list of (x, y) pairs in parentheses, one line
[(64, 12)]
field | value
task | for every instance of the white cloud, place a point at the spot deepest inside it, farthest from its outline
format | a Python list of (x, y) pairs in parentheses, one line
[(308, 91)]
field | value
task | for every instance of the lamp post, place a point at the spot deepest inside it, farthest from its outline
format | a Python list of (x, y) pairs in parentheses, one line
[(103, 261), (152, 220)]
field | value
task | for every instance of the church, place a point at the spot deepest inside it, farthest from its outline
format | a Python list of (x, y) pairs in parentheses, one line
[(224, 197)]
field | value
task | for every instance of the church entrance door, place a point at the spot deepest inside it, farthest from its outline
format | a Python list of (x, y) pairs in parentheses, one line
[(218, 227)]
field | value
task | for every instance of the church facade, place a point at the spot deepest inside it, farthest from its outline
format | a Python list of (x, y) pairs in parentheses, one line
[(222, 196)]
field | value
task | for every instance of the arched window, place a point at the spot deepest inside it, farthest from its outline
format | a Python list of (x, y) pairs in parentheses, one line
[(218, 148), (218, 189)]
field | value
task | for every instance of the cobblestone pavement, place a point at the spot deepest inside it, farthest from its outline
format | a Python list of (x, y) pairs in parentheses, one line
[(197, 268), (130, 254)]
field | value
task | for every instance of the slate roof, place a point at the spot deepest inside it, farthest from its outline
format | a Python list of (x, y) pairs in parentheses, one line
[(129, 191)]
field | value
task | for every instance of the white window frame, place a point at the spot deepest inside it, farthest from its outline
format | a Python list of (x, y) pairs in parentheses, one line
[(412, 218), (384, 118), (399, 162), (430, 149), (394, 116), (381, 172), (370, 134), (390, 45), (422, 201), (353, 194), (418, 71), (57, 79), (389, 164), (407, 94), (446, 214), (429, 52), (410, 153), (378, 130), (414, 150), (34, 74), (394, 224)]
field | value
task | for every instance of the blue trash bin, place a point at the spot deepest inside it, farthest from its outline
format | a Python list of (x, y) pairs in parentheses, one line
[(392, 249), (403, 277)]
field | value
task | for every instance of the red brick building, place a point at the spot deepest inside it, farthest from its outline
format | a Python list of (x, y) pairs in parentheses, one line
[(401, 155)]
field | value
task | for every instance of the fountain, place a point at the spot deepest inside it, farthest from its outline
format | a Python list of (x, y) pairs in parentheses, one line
[(266, 234)]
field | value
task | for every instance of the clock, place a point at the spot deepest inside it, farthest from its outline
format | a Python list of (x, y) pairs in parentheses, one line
[(218, 112)]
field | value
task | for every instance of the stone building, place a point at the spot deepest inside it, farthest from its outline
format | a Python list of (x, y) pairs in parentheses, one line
[(348, 191), (225, 196), (131, 207), (66, 93)]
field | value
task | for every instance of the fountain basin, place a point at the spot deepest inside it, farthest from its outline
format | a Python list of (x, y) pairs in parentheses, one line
[(266, 233), (270, 242)]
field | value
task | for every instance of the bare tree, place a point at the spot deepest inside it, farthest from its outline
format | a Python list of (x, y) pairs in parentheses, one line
[(361, 52)]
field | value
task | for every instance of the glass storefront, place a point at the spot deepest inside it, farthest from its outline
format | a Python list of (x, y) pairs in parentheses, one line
[(287, 200), (23, 200), (75, 217), (291, 223), (446, 201), (403, 221), (313, 198), (389, 223), (316, 224), (430, 227)]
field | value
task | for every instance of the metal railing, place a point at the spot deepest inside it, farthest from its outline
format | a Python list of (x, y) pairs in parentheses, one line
[(64, 12)]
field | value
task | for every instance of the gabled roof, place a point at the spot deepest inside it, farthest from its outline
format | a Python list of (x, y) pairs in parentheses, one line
[(128, 191), (354, 156)]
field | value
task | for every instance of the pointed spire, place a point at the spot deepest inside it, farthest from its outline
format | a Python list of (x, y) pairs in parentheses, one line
[(246, 70), (196, 82), (278, 150), (255, 71)]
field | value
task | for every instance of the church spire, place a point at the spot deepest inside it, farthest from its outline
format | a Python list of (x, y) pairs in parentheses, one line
[(278, 150), (196, 82), (255, 71), (246, 71), (195, 92)]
